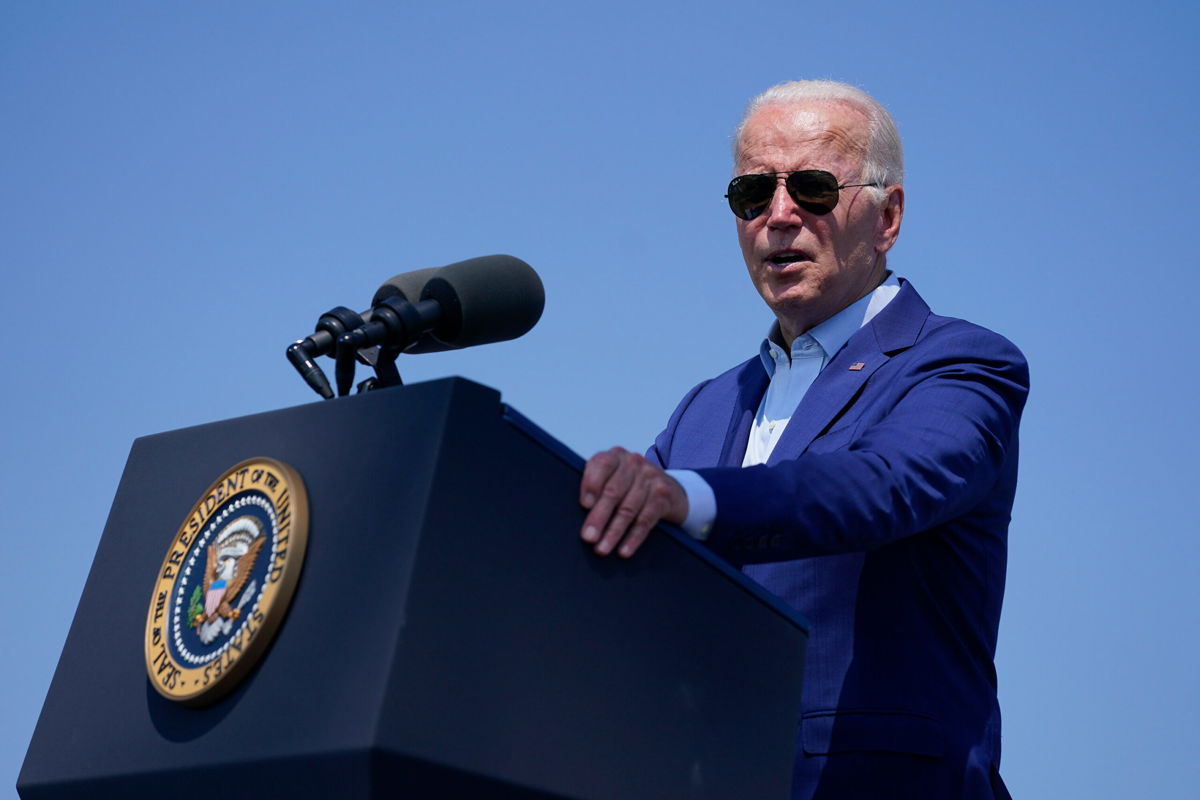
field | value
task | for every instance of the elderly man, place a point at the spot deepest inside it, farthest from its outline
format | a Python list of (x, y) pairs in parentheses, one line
[(862, 466)]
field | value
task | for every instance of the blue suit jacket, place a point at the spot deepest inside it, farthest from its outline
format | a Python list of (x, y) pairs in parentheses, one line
[(882, 516)]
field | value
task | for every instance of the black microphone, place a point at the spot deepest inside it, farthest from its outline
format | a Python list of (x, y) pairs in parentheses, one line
[(477, 301), (485, 300)]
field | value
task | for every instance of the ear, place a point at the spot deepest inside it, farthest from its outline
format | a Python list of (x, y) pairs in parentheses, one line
[(890, 215)]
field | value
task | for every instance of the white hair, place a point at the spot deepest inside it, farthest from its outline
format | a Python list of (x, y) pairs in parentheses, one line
[(882, 158)]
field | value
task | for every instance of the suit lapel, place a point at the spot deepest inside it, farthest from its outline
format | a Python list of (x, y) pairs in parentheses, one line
[(842, 380), (831, 392), (752, 384)]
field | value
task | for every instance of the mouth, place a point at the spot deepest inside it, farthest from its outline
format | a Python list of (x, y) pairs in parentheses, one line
[(781, 259)]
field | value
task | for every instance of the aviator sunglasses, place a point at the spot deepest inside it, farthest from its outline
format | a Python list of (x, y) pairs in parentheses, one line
[(814, 190)]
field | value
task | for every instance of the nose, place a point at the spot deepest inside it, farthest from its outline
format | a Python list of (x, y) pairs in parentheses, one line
[(783, 211)]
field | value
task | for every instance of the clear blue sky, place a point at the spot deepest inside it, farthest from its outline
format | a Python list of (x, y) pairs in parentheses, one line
[(185, 186)]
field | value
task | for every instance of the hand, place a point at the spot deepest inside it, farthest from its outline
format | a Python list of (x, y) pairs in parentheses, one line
[(626, 496)]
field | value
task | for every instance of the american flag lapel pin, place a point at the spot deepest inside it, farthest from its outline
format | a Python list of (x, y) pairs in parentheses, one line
[(856, 366)]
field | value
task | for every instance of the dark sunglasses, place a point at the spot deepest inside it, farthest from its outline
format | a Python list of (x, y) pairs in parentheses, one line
[(814, 190)]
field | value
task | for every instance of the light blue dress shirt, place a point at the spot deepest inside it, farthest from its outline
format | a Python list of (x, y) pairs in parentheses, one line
[(791, 376)]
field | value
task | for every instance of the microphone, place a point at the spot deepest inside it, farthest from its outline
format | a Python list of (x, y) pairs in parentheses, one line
[(484, 300), (477, 301)]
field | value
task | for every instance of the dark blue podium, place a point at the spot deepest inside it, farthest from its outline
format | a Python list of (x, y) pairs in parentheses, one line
[(450, 636)]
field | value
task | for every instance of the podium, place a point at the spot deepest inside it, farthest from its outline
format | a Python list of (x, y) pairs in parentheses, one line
[(449, 636)]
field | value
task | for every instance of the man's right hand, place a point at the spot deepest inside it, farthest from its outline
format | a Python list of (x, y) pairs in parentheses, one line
[(626, 496)]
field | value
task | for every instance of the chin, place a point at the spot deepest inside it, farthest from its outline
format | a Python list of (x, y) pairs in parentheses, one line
[(793, 298)]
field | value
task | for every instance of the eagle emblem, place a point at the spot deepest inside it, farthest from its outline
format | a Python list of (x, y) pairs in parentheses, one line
[(231, 559), (226, 581)]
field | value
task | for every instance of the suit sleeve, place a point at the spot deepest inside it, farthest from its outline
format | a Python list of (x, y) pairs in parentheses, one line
[(941, 447)]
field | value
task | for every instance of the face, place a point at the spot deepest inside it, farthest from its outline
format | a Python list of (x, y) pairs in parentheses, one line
[(806, 266)]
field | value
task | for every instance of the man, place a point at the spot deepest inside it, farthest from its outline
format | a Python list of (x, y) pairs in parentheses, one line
[(862, 466)]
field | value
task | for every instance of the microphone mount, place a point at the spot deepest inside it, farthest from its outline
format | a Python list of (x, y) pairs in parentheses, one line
[(375, 337), (395, 324), (331, 325)]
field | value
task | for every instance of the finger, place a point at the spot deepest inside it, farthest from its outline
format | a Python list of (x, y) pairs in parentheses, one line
[(654, 509), (637, 534), (600, 518), (608, 496), (596, 473), (626, 512)]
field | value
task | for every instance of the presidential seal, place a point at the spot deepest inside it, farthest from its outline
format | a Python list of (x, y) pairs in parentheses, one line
[(226, 581)]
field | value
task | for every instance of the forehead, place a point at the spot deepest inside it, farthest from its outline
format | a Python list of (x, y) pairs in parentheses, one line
[(802, 135)]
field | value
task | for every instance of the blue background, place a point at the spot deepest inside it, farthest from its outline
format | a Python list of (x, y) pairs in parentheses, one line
[(185, 186)]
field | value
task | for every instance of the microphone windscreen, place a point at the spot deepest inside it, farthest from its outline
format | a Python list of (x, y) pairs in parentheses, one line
[(486, 299)]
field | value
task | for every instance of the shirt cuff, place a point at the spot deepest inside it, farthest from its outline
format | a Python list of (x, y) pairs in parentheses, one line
[(702, 503)]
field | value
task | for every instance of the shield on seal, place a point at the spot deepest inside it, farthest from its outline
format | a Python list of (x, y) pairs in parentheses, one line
[(213, 598)]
